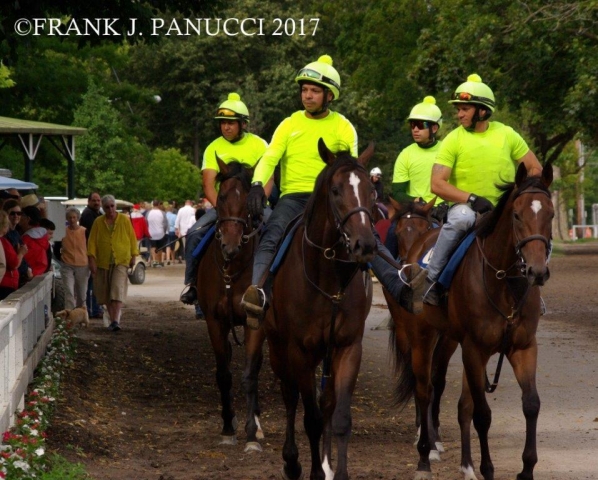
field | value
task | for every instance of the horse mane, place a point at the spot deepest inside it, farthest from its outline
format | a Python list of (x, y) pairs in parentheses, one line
[(239, 170), (343, 159), (486, 225)]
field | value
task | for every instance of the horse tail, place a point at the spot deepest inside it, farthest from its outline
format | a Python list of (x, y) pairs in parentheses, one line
[(401, 358)]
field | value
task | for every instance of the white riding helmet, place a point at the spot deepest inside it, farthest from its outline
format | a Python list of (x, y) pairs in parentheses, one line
[(375, 172)]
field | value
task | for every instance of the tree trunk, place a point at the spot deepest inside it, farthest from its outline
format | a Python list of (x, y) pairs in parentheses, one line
[(560, 227)]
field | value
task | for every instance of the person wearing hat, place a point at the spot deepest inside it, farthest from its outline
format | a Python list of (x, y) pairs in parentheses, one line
[(490, 149), (376, 179), (235, 143), (319, 85), (36, 239), (29, 200)]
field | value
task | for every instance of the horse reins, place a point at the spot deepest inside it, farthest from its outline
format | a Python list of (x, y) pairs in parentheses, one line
[(230, 278), (502, 274)]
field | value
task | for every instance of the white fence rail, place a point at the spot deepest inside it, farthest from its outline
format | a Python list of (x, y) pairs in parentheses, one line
[(24, 337)]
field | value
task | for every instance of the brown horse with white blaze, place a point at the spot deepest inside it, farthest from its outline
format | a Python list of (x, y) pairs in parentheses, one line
[(321, 298), (493, 307)]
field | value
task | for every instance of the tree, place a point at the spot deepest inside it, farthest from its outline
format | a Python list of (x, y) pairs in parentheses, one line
[(172, 177)]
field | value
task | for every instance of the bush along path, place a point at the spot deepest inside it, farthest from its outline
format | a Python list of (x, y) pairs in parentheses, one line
[(22, 452)]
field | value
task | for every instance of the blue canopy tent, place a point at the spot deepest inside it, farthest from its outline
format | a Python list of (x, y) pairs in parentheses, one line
[(6, 183)]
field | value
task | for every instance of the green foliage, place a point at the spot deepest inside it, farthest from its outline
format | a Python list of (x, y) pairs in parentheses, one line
[(172, 176), (5, 80), (62, 469)]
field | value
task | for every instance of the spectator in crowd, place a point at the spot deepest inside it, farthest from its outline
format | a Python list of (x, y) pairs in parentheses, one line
[(36, 239), (13, 209), (89, 215), (376, 178), (158, 229), (111, 250), (15, 193), (74, 265), (171, 236), (141, 231), (13, 258), (185, 218), (50, 227)]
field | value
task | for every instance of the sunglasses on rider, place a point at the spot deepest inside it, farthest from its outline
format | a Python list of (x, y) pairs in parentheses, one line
[(420, 124), (225, 112), (308, 73)]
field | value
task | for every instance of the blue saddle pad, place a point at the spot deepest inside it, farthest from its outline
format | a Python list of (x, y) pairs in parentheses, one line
[(284, 246), (205, 241), (446, 277)]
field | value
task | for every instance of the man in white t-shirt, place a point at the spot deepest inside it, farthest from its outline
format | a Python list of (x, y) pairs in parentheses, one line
[(157, 224), (185, 218)]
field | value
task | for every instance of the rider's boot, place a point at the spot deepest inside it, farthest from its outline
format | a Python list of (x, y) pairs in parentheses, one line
[(254, 303), (432, 293), (189, 297)]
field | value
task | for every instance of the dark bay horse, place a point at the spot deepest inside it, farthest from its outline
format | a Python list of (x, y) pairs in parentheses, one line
[(493, 307), (223, 275), (321, 298)]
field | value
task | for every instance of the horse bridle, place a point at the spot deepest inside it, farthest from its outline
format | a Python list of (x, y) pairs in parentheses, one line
[(521, 243), (246, 237)]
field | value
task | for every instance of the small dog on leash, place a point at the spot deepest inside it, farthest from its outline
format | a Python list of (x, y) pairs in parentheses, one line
[(75, 317)]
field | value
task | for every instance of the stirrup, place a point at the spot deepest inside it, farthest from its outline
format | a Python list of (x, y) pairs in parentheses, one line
[(254, 303)]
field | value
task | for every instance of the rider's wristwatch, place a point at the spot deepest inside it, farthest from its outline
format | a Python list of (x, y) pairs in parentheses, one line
[(472, 198), (256, 184)]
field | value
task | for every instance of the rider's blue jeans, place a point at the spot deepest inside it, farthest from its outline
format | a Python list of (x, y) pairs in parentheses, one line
[(460, 219), (287, 208)]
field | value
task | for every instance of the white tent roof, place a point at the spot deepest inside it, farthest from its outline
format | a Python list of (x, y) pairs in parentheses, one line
[(6, 183)]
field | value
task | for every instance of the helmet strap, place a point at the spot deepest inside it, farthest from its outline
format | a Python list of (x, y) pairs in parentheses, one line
[(433, 141), (476, 117)]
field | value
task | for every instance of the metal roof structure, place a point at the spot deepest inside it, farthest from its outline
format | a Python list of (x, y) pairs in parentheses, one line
[(30, 135)]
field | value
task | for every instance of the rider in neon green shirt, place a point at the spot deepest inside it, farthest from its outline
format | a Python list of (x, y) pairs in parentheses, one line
[(472, 159), (235, 144), (295, 146)]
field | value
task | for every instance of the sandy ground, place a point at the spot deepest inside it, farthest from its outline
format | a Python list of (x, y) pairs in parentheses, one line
[(142, 403)]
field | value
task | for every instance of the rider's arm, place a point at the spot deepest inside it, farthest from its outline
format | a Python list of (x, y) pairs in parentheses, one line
[(399, 192), (531, 163), (209, 185), (265, 167), (440, 185)]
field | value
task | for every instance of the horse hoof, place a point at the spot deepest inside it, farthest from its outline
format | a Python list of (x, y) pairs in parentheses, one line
[(253, 447), (468, 473), (285, 477), (440, 447), (423, 476), (228, 440), (434, 456)]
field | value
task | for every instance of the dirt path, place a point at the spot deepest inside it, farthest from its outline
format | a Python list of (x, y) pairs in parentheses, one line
[(142, 403)]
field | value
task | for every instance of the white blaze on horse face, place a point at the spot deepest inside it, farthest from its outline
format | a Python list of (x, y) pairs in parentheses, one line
[(536, 206), (354, 181)]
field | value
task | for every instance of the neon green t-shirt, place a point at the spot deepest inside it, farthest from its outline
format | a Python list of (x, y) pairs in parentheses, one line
[(295, 145), (481, 160), (248, 150), (414, 165)]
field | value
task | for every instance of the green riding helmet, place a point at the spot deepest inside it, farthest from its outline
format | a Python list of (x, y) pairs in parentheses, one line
[(427, 111), (474, 91), (233, 109), (322, 73)]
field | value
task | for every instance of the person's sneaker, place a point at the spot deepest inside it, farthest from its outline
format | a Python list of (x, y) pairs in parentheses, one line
[(190, 296), (253, 302), (114, 327)]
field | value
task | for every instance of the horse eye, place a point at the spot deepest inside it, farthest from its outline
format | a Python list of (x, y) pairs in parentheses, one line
[(221, 198), (516, 216), (334, 190)]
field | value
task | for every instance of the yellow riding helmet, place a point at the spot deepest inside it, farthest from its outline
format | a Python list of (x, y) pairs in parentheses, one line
[(232, 109), (426, 110), (322, 73), (474, 91)]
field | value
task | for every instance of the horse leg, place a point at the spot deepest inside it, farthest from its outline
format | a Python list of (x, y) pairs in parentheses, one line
[(312, 420), (223, 353), (443, 353), (254, 340), (465, 415), (524, 366), (422, 351), (345, 366), (290, 454), (474, 366), (327, 405)]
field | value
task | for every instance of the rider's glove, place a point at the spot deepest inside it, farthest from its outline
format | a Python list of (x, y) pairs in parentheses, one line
[(256, 199), (480, 204), (439, 212)]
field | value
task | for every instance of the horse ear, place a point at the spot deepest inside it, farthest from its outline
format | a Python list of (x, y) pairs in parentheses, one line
[(223, 167), (547, 174), (521, 174), (366, 155), (429, 205), (325, 154)]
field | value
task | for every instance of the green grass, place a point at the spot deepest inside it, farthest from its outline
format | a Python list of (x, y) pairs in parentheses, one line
[(62, 469)]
